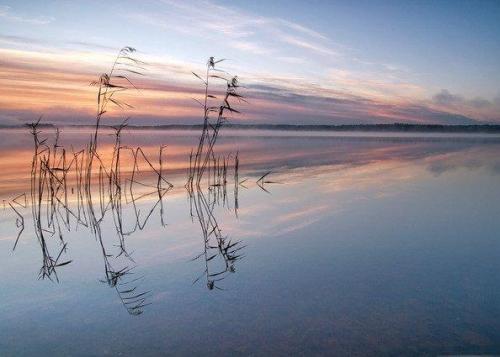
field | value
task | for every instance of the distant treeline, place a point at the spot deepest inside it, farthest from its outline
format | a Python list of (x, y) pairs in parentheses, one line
[(396, 127)]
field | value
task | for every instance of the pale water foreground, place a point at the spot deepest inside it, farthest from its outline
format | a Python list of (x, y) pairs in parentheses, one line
[(358, 244)]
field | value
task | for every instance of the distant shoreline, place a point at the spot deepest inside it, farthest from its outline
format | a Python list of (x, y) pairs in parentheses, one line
[(396, 127)]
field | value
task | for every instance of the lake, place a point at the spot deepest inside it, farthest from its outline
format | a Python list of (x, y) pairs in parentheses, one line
[(309, 243)]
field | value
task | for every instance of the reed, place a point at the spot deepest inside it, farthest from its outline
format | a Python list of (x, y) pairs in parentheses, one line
[(214, 115)]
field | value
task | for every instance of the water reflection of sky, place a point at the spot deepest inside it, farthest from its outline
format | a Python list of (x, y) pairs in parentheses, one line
[(366, 245)]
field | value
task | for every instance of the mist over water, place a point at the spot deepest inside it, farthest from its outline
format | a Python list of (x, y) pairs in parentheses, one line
[(352, 243)]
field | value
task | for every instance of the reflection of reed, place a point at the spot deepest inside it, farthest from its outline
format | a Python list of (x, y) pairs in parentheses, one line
[(219, 251), (19, 224), (46, 185), (53, 215), (263, 181), (60, 202)]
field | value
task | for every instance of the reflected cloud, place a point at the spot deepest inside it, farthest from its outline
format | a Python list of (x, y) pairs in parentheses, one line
[(471, 159)]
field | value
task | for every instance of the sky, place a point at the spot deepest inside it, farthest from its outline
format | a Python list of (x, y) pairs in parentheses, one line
[(314, 62)]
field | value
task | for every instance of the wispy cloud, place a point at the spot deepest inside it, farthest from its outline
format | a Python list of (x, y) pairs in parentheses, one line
[(9, 15), (303, 29), (241, 30), (374, 84), (251, 47), (308, 45), (34, 83)]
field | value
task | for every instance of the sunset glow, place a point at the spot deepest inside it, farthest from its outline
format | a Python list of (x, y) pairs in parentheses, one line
[(295, 68)]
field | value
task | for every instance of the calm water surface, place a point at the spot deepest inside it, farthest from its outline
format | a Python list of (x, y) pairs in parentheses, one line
[(360, 245)]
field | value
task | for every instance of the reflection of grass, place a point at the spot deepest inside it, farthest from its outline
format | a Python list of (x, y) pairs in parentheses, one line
[(48, 173), (218, 248), (53, 215)]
